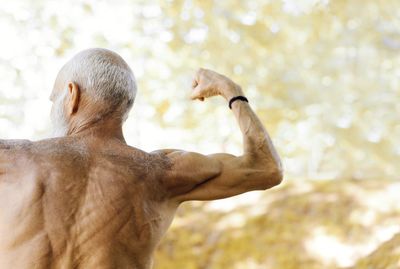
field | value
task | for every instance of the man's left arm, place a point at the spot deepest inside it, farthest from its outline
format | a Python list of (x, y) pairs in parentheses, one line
[(221, 175)]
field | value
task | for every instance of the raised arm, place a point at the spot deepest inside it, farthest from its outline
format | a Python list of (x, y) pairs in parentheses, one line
[(208, 177)]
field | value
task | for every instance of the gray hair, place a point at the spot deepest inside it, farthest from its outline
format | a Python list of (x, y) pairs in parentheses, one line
[(104, 76)]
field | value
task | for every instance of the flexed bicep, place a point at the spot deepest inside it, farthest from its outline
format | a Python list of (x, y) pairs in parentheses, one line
[(238, 174), (186, 170)]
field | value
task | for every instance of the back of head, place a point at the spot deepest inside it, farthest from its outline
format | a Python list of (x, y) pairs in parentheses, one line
[(104, 77)]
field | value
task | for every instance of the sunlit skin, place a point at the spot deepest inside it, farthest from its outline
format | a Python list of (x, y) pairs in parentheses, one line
[(88, 200)]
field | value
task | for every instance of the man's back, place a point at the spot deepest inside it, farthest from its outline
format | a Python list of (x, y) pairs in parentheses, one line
[(80, 203)]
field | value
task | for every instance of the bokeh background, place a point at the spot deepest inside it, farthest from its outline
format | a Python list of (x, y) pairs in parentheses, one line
[(323, 76)]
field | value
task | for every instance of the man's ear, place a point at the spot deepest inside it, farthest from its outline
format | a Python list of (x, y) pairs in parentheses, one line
[(74, 94)]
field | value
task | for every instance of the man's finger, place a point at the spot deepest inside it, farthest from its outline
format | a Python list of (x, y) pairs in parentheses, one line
[(196, 79), (196, 94), (194, 83)]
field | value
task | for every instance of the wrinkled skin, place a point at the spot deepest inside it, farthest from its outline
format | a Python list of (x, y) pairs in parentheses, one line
[(70, 201), (88, 200)]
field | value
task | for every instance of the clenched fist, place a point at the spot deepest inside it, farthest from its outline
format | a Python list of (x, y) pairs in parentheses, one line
[(208, 83)]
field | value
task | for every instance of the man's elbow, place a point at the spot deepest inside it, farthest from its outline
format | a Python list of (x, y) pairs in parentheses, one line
[(272, 178), (278, 176)]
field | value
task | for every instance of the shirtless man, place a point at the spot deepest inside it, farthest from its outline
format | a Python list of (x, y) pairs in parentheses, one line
[(86, 199)]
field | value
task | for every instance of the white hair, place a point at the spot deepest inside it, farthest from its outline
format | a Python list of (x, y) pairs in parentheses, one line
[(104, 76)]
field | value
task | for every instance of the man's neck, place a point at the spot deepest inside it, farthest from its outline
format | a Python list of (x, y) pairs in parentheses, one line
[(105, 128)]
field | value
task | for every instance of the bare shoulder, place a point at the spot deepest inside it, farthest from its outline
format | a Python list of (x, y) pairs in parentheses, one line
[(131, 157), (9, 144), (40, 148), (12, 151), (38, 157), (24, 144), (155, 163), (11, 155)]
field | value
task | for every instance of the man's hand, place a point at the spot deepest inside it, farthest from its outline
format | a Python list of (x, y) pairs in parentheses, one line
[(208, 83)]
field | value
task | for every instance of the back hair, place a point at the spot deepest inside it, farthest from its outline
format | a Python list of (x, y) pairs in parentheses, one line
[(105, 77)]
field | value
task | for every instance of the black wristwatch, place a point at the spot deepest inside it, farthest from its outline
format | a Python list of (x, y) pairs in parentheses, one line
[(239, 97)]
